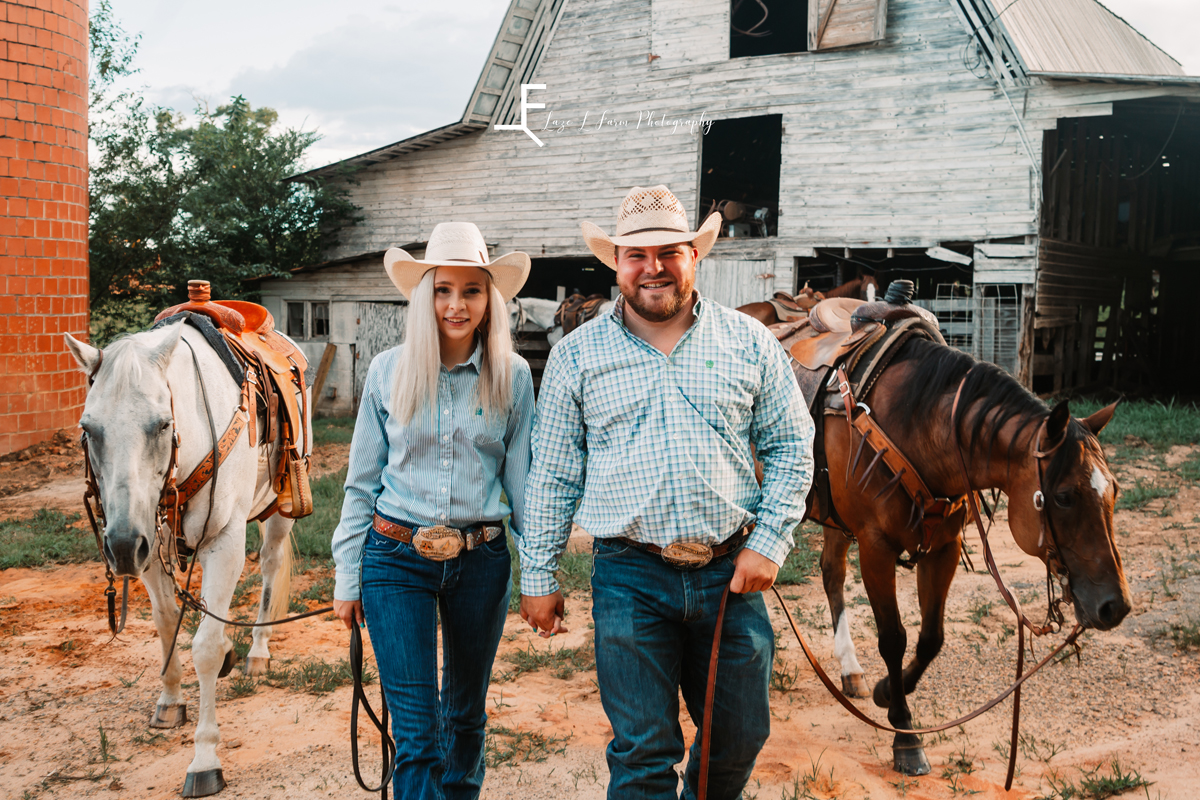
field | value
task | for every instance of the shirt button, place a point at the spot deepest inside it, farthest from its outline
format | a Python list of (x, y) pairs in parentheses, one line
[(445, 411), (443, 516), (445, 463), (443, 490), (445, 437)]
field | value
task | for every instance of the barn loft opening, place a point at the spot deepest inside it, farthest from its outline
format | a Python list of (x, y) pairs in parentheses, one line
[(739, 175), (767, 27), (587, 276)]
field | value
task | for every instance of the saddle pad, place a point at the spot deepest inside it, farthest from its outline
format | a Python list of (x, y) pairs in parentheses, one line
[(833, 315), (214, 338)]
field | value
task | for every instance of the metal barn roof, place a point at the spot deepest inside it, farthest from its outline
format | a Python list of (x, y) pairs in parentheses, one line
[(1082, 38)]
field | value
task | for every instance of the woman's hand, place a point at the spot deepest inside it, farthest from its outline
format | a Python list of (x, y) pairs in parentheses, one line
[(349, 612)]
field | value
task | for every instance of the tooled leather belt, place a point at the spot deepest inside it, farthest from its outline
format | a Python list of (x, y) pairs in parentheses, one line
[(691, 555), (439, 542)]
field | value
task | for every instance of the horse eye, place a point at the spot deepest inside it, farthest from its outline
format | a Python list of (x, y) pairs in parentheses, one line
[(1064, 499), (166, 426)]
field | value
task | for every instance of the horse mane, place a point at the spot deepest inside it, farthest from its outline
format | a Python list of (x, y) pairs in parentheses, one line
[(937, 370), (122, 363)]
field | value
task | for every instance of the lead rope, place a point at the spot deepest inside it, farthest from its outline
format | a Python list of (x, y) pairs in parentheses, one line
[(381, 722)]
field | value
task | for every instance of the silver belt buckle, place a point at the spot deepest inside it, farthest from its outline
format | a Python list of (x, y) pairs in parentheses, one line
[(687, 555), (438, 543)]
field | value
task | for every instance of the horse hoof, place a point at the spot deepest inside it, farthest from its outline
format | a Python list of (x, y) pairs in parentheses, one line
[(202, 784), (226, 668), (172, 716), (910, 760), (881, 695), (256, 666), (855, 685)]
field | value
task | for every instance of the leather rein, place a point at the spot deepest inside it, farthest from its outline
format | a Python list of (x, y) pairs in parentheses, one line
[(1053, 623)]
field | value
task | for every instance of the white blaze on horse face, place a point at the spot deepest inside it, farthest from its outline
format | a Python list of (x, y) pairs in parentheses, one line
[(1099, 482), (843, 647)]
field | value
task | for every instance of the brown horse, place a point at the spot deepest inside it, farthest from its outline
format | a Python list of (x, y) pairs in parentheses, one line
[(806, 298), (1040, 458)]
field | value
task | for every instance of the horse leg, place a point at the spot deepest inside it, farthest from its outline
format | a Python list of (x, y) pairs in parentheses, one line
[(275, 564), (833, 574), (222, 562), (171, 710), (935, 572), (879, 578)]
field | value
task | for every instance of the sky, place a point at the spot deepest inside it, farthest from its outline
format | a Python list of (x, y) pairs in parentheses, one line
[(366, 73)]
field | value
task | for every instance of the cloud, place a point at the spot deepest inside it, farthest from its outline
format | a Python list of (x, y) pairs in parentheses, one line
[(374, 80)]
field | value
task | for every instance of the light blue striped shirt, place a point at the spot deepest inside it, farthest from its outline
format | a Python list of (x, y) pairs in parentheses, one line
[(657, 448), (443, 468)]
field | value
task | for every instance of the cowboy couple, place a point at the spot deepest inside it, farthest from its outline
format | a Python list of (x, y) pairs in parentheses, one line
[(648, 424)]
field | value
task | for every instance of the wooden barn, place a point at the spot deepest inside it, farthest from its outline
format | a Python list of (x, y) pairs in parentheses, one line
[(1034, 167)]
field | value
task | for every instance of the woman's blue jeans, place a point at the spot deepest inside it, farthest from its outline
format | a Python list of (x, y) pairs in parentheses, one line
[(439, 740), (654, 629)]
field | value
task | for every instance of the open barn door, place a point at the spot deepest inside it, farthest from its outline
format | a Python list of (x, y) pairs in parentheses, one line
[(380, 326), (841, 23)]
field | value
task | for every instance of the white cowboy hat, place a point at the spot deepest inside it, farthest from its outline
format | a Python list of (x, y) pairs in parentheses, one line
[(650, 218), (456, 244)]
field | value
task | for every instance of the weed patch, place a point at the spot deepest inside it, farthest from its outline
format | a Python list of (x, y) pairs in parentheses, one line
[(1094, 784), (315, 677), (804, 561), (45, 538), (333, 430), (562, 663), (503, 745), (1139, 495)]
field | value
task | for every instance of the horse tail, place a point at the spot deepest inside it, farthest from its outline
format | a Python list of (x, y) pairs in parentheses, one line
[(281, 588)]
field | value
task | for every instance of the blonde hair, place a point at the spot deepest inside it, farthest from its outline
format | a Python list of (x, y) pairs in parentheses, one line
[(414, 385)]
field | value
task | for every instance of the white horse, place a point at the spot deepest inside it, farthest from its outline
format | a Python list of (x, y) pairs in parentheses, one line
[(147, 390), (531, 314)]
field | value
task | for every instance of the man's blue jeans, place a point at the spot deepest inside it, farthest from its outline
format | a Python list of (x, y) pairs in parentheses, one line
[(654, 629), (439, 743)]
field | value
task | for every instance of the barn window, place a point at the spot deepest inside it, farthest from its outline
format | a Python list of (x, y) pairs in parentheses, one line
[(767, 27), (739, 175), (320, 321), (842, 23), (295, 320)]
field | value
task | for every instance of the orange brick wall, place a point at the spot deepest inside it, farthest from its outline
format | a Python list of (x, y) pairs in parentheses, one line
[(43, 215)]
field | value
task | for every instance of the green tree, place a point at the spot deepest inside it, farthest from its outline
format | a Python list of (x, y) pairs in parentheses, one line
[(175, 199)]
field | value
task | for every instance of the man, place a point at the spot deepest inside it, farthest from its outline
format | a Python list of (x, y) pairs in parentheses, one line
[(646, 421)]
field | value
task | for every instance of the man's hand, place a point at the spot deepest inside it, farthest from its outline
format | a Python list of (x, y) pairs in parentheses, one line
[(349, 612), (752, 572), (544, 612)]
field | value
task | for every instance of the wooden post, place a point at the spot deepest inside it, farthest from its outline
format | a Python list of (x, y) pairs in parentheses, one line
[(323, 372)]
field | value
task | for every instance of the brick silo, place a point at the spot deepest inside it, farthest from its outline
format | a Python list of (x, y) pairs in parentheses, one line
[(43, 215)]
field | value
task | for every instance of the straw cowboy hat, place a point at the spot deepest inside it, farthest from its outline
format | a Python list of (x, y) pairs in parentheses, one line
[(649, 218), (456, 244)]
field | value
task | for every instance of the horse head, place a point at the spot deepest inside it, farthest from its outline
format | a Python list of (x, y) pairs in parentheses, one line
[(1061, 509), (129, 428)]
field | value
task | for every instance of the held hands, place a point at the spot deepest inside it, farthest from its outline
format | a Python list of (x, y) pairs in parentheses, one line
[(545, 613), (349, 612), (752, 572)]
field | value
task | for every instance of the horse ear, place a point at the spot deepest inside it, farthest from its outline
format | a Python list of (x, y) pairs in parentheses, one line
[(1096, 422), (1056, 424), (161, 353), (86, 356)]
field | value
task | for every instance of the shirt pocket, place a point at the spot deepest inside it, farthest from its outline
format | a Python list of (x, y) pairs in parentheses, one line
[(485, 432)]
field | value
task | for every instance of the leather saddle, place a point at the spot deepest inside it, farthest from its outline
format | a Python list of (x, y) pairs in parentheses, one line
[(577, 309), (275, 373), (841, 325)]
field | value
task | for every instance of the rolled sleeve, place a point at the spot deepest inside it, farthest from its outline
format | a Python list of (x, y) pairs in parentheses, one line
[(557, 477), (782, 434), (368, 457)]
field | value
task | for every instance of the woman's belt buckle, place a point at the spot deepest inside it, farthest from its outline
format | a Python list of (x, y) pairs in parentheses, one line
[(438, 543), (687, 555)]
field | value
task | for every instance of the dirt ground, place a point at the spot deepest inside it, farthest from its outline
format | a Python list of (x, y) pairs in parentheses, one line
[(1133, 695)]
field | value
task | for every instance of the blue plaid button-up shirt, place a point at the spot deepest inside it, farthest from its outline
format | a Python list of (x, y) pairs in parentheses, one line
[(446, 467), (632, 442)]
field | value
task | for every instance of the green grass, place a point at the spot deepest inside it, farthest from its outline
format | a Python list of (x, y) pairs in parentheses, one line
[(561, 663), (574, 574), (1185, 634), (507, 745), (1162, 425), (315, 677), (1094, 784), (804, 561), (45, 538), (1139, 495), (333, 430)]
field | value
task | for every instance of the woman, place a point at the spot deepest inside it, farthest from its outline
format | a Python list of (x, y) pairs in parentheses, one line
[(443, 429)]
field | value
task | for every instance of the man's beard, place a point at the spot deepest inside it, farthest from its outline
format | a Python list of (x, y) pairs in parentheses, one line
[(664, 308)]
